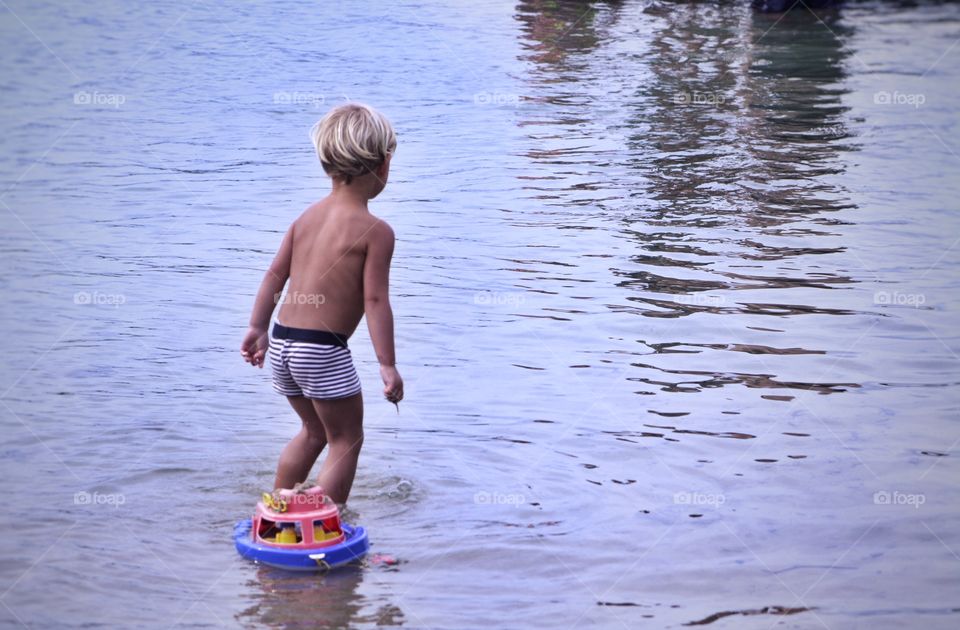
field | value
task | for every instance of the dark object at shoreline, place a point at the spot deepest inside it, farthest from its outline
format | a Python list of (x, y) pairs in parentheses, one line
[(779, 6)]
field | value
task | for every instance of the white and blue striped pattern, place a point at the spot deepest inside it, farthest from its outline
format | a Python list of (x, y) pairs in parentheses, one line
[(314, 370)]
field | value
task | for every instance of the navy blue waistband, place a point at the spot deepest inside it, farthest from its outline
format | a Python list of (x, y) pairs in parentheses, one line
[(312, 336)]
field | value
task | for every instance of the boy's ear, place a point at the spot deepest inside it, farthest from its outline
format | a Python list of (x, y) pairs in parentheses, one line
[(382, 169)]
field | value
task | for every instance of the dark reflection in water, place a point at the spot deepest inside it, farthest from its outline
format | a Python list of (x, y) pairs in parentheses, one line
[(735, 134), (561, 120), (735, 130), (719, 164), (794, 86), (555, 30)]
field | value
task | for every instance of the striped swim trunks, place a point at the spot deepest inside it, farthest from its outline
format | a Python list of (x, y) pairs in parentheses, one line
[(312, 363)]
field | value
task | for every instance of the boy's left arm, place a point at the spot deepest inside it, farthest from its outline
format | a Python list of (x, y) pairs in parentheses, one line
[(255, 343)]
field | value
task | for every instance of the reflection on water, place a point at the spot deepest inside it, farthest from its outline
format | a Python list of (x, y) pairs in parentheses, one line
[(290, 600), (672, 290), (734, 135), (726, 143)]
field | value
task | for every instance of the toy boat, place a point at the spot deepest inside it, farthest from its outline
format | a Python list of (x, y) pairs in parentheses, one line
[(299, 530)]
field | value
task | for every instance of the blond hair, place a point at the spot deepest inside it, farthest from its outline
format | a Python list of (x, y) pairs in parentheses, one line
[(352, 140)]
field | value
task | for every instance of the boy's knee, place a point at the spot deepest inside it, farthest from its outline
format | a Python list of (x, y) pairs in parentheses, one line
[(315, 437), (348, 439)]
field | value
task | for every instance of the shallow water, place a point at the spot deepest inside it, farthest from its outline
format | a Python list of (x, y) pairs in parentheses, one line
[(675, 297)]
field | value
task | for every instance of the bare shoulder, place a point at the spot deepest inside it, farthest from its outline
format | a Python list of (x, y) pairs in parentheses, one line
[(380, 233), (309, 215), (316, 209)]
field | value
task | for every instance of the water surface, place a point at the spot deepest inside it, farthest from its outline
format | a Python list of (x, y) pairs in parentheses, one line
[(675, 301)]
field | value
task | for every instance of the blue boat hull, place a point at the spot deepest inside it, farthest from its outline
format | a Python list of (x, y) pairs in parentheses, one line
[(353, 548)]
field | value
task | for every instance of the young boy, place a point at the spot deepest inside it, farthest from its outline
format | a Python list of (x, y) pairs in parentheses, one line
[(337, 258)]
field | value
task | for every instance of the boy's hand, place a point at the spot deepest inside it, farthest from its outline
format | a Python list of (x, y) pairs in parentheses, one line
[(254, 346), (392, 383)]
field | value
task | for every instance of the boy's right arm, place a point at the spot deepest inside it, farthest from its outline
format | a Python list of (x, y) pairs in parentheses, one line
[(255, 342), (376, 303)]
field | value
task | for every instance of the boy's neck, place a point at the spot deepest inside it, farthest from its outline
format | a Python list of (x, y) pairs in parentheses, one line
[(344, 197), (349, 194)]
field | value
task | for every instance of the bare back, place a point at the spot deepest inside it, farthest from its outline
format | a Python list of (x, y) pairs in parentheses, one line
[(325, 290)]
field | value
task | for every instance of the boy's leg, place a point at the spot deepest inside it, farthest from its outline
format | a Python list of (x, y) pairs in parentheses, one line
[(343, 420), (302, 451)]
